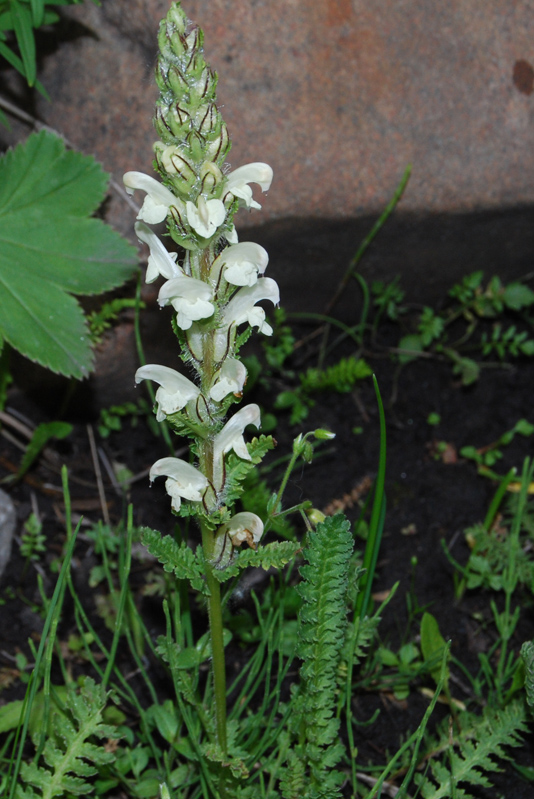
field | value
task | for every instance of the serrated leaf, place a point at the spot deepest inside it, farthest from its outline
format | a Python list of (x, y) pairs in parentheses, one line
[(49, 249)]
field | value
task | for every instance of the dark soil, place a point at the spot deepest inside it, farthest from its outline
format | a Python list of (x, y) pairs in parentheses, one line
[(428, 501)]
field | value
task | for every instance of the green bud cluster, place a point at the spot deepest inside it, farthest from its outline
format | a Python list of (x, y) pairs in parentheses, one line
[(194, 140)]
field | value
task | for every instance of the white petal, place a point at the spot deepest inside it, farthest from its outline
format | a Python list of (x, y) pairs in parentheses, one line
[(206, 216), (230, 379), (158, 200), (160, 261), (259, 173), (175, 390), (242, 303), (242, 263), (231, 436), (245, 526), (183, 480)]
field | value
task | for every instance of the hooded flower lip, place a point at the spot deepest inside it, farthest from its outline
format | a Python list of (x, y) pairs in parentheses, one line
[(242, 306), (190, 298), (231, 438), (239, 179), (175, 390), (245, 526), (158, 198), (206, 216), (183, 480), (229, 380), (160, 261), (242, 263)]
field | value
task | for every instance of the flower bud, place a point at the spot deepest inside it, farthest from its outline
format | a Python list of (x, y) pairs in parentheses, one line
[(323, 435), (315, 515)]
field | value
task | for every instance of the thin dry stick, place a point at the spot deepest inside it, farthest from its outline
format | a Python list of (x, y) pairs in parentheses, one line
[(98, 475)]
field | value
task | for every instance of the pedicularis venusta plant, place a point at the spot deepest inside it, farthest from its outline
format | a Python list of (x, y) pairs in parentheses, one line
[(214, 292)]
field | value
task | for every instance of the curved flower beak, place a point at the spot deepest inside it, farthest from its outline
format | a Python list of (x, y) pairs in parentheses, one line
[(242, 263), (231, 436), (229, 380), (160, 261), (241, 307), (158, 198), (239, 179), (183, 480), (190, 298), (247, 527), (175, 390), (206, 216)]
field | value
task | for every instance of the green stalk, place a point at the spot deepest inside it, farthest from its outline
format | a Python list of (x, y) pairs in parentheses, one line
[(217, 641)]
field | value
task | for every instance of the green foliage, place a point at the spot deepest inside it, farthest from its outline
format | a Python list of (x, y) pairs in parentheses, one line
[(177, 558), (50, 249), (32, 540), (433, 646), (527, 655), (101, 320), (275, 555), (40, 438), (69, 755), (479, 742), (322, 630), (238, 470), (340, 377), (111, 418), (256, 498), (22, 17), (486, 457)]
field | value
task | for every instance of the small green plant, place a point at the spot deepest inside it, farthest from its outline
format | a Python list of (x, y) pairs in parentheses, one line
[(32, 540)]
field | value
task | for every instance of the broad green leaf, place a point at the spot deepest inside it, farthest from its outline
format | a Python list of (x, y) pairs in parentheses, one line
[(49, 246), (412, 344), (517, 296), (432, 646)]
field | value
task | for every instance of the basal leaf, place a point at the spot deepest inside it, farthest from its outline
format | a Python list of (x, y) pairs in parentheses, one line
[(49, 246)]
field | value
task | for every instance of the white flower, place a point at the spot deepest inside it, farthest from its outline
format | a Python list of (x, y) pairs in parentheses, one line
[(242, 263), (183, 480), (242, 306), (231, 438), (175, 390), (190, 298), (206, 216), (160, 261), (239, 179), (229, 380), (158, 198), (245, 527)]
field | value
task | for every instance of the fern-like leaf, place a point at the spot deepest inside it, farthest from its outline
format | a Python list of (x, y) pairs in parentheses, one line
[(481, 741), (527, 655), (321, 636), (275, 555), (177, 558), (237, 469), (341, 377), (69, 756)]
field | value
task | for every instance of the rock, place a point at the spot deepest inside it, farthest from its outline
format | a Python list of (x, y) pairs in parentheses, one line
[(8, 521)]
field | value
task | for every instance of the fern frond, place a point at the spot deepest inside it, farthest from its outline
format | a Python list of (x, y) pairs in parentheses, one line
[(340, 377), (527, 655), (275, 555), (177, 558), (69, 756), (321, 636), (238, 469), (481, 741)]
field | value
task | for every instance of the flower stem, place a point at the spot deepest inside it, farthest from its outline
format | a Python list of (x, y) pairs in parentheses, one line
[(217, 642)]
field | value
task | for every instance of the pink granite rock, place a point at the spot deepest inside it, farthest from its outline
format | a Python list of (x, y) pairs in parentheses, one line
[(338, 96)]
